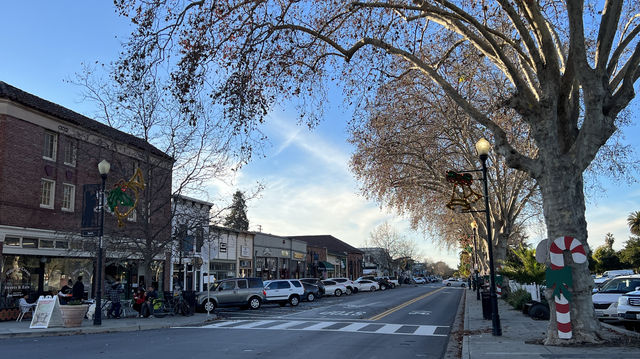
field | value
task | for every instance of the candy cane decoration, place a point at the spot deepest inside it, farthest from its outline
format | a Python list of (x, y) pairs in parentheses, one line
[(560, 244)]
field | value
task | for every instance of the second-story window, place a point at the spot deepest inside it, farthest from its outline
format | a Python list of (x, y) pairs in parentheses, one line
[(68, 197), (70, 153), (47, 193), (50, 145)]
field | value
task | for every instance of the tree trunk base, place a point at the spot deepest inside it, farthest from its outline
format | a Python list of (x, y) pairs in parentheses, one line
[(594, 338)]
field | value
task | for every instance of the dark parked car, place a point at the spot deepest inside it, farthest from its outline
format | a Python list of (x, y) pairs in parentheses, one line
[(384, 283), (311, 292), (316, 282)]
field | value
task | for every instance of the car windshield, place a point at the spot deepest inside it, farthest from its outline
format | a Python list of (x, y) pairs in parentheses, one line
[(621, 285)]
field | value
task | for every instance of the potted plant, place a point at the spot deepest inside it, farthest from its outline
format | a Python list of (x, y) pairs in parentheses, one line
[(73, 313)]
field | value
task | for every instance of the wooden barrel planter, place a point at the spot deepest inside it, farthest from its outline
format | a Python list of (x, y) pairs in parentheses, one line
[(72, 315)]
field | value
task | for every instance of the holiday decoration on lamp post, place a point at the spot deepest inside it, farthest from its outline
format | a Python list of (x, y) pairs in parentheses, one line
[(123, 199), (462, 196)]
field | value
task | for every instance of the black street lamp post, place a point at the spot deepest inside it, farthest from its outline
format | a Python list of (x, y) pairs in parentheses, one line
[(474, 226), (483, 146), (103, 168)]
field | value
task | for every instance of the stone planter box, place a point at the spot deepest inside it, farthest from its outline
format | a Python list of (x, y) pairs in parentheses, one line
[(72, 315)]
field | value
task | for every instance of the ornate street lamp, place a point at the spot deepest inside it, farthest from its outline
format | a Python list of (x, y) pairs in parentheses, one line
[(103, 168), (482, 147), (474, 226)]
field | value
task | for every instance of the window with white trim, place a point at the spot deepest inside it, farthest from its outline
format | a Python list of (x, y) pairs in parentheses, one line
[(47, 192), (50, 145), (70, 152), (68, 197)]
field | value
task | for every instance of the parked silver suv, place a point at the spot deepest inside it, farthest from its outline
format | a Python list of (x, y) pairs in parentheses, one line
[(233, 292)]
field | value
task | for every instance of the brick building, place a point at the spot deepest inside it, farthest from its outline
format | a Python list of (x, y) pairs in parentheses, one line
[(327, 256), (47, 155)]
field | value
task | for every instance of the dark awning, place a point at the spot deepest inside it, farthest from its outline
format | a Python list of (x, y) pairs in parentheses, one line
[(326, 265)]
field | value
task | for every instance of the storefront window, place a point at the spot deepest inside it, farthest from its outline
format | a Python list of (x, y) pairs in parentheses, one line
[(24, 274)]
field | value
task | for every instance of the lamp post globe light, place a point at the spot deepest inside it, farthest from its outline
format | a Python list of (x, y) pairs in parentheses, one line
[(482, 147), (103, 168), (474, 226)]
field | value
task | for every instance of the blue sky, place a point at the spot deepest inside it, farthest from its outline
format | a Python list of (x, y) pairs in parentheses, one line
[(308, 186)]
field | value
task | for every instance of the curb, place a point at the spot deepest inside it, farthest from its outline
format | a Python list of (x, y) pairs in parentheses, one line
[(454, 347), (621, 331), (465, 339), (99, 330)]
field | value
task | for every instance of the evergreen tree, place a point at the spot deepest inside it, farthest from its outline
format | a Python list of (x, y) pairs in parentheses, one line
[(237, 219)]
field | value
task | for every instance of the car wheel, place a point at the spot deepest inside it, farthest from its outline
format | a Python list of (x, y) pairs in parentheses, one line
[(337, 293), (348, 291), (209, 305), (254, 303), (355, 290), (463, 285), (311, 297), (294, 301), (373, 289), (448, 284)]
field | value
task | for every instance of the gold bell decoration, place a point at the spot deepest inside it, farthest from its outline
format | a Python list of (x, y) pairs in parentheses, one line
[(462, 196)]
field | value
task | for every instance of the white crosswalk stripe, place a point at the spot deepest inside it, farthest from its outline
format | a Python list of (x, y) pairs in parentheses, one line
[(351, 327)]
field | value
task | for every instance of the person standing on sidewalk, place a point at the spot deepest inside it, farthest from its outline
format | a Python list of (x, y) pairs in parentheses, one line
[(77, 293), (113, 293)]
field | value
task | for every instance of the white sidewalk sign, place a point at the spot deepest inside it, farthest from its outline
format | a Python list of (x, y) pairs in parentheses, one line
[(47, 313)]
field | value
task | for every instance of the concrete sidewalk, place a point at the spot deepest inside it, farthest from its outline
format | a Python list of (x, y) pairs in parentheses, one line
[(13, 329), (479, 343)]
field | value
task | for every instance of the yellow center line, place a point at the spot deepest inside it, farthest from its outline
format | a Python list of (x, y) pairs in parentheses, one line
[(387, 312)]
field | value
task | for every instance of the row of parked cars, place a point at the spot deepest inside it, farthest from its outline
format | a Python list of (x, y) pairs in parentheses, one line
[(619, 299), (253, 292)]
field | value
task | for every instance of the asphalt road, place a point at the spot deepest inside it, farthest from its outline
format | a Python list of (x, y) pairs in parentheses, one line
[(406, 322)]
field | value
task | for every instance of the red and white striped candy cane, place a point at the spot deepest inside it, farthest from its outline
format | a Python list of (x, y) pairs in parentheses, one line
[(560, 244)]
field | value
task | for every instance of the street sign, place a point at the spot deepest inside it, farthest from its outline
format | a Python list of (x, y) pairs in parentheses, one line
[(89, 232)]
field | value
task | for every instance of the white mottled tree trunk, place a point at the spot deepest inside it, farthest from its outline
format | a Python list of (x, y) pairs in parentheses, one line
[(564, 211)]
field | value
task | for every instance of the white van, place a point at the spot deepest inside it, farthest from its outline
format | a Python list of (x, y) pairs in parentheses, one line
[(612, 274)]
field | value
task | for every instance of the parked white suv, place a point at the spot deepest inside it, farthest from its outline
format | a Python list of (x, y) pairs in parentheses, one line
[(605, 301), (629, 309), (282, 291)]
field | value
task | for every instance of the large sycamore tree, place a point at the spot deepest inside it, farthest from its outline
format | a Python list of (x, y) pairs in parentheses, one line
[(411, 134), (570, 67)]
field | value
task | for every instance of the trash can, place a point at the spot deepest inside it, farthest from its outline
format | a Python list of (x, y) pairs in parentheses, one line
[(486, 305)]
